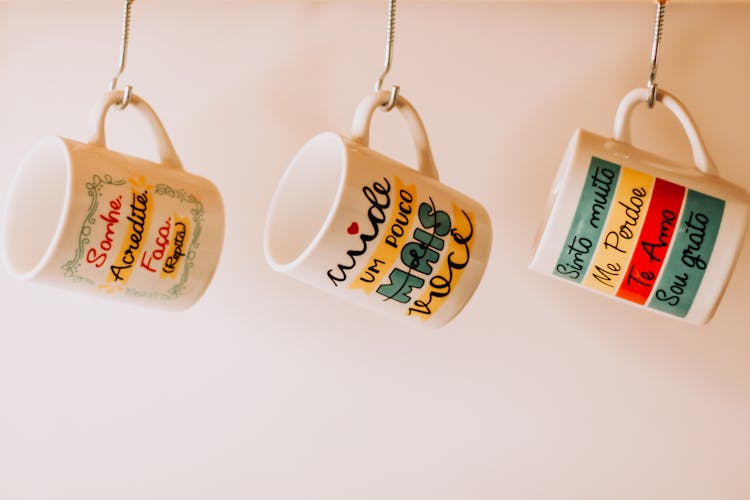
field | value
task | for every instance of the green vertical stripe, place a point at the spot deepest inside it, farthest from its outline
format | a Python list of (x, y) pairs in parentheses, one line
[(690, 254), (588, 222)]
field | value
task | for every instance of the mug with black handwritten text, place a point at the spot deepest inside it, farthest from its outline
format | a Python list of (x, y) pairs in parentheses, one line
[(350, 221), (85, 218), (641, 228)]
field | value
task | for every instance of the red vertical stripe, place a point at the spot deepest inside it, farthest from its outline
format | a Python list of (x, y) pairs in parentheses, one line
[(651, 251)]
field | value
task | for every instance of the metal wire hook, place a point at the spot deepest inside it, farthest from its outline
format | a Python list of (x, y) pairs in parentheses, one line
[(658, 29), (389, 35), (123, 55)]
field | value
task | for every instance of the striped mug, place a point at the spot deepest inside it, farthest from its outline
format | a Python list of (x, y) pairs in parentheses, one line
[(649, 231)]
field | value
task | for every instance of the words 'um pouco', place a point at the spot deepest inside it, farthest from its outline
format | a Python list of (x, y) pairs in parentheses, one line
[(353, 222), (646, 230)]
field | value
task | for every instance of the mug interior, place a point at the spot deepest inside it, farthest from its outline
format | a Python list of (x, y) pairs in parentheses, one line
[(305, 200), (36, 207)]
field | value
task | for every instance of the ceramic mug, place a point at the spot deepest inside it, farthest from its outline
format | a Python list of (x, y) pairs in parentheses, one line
[(350, 221), (82, 217), (649, 231)]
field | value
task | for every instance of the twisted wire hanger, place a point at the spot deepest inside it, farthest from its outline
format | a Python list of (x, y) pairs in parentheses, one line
[(658, 29), (125, 39), (389, 36)]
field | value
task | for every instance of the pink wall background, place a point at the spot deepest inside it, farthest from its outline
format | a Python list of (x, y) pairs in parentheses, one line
[(269, 390)]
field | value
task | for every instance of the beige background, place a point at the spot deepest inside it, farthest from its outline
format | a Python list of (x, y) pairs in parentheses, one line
[(270, 390)]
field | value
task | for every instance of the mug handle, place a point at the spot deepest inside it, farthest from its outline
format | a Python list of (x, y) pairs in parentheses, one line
[(167, 153), (363, 118), (625, 110)]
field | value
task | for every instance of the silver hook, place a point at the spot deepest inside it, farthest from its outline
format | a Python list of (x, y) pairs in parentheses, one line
[(390, 33), (658, 28), (123, 55)]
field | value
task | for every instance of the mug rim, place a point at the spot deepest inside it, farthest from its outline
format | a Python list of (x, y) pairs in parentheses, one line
[(46, 257), (276, 199)]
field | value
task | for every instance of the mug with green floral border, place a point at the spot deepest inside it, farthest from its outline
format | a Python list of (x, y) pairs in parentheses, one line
[(83, 217)]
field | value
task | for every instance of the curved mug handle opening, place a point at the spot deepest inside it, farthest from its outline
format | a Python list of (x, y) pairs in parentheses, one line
[(637, 96), (167, 154), (363, 119)]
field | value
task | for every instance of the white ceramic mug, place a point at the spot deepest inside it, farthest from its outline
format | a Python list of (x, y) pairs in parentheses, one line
[(350, 221), (649, 231), (83, 217)]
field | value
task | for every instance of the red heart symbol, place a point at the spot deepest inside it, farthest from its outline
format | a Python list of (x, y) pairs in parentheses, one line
[(353, 228)]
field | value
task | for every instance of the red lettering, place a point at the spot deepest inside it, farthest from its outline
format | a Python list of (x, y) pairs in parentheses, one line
[(93, 258), (147, 265), (106, 244), (162, 240)]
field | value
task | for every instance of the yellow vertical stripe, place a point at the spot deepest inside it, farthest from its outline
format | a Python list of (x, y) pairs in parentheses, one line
[(138, 220), (620, 235)]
